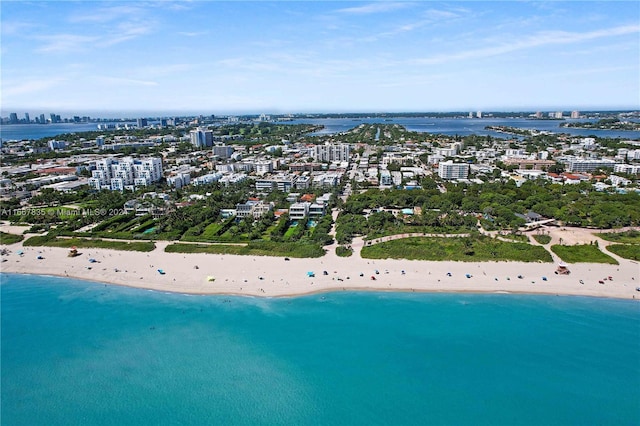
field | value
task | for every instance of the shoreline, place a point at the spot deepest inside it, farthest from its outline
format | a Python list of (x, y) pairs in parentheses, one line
[(337, 290), (263, 276)]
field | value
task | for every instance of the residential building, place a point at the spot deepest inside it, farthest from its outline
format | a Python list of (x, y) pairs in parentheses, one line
[(254, 208), (201, 138), (126, 172), (627, 168), (580, 165), (179, 180), (331, 152), (451, 170), (385, 178), (222, 151), (263, 167), (299, 211), (53, 145), (529, 164)]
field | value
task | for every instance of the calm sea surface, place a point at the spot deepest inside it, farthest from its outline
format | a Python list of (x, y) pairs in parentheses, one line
[(446, 126), (75, 352)]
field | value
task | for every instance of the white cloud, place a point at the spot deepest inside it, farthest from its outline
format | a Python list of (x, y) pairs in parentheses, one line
[(537, 40), (428, 17), (124, 32), (18, 89), (106, 14), (63, 42), (119, 81), (193, 33), (378, 7)]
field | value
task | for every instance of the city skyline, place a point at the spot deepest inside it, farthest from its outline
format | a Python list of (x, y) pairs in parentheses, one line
[(296, 57)]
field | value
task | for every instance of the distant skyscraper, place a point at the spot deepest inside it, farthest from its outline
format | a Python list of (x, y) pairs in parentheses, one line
[(575, 114), (141, 122), (479, 114), (13, 118), (42, 119), (27, 119)]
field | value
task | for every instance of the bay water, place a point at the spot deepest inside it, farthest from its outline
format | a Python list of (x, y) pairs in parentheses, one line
[(76, 352), (444, 126)]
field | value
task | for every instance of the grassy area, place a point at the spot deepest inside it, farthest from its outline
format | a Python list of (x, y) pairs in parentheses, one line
[(89, 243), (469, 249), (343, 251), (521, 238), (6, 238), (582, 253), (542, 239), (628, 237), (627, 251), (254, 248)]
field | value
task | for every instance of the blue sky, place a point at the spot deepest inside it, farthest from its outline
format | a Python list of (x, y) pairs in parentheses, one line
[(215, 57)]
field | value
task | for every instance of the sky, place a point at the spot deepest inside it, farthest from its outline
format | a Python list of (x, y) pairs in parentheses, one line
[(232, 57)]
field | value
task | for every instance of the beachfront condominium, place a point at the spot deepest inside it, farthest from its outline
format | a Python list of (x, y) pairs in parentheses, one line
[(451, 170), (117, 175)]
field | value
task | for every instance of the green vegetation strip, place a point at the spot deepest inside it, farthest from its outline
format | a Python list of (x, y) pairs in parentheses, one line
[(628, 237), (259, 248), (542, 239), (6, 238), (582, 253), (86, 243), (343, 251), (467, 249), (627, 251)]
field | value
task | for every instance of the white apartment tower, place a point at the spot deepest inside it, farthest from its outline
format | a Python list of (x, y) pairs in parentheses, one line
[(116, 175), (451, 170), (201, 138), (331, 152)]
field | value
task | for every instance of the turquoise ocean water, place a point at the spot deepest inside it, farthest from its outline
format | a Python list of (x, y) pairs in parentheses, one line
[(75, 352)]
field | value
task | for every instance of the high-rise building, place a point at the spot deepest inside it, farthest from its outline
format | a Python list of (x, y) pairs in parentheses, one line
[(575, 114), (451, 170), (13, 118), (331, 152), (27, 119), (201, 138), (116, 175), (479, 114), (42, 119), (141, 122)]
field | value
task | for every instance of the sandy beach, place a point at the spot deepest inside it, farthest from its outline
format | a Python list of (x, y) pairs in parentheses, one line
[(275, 276)]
